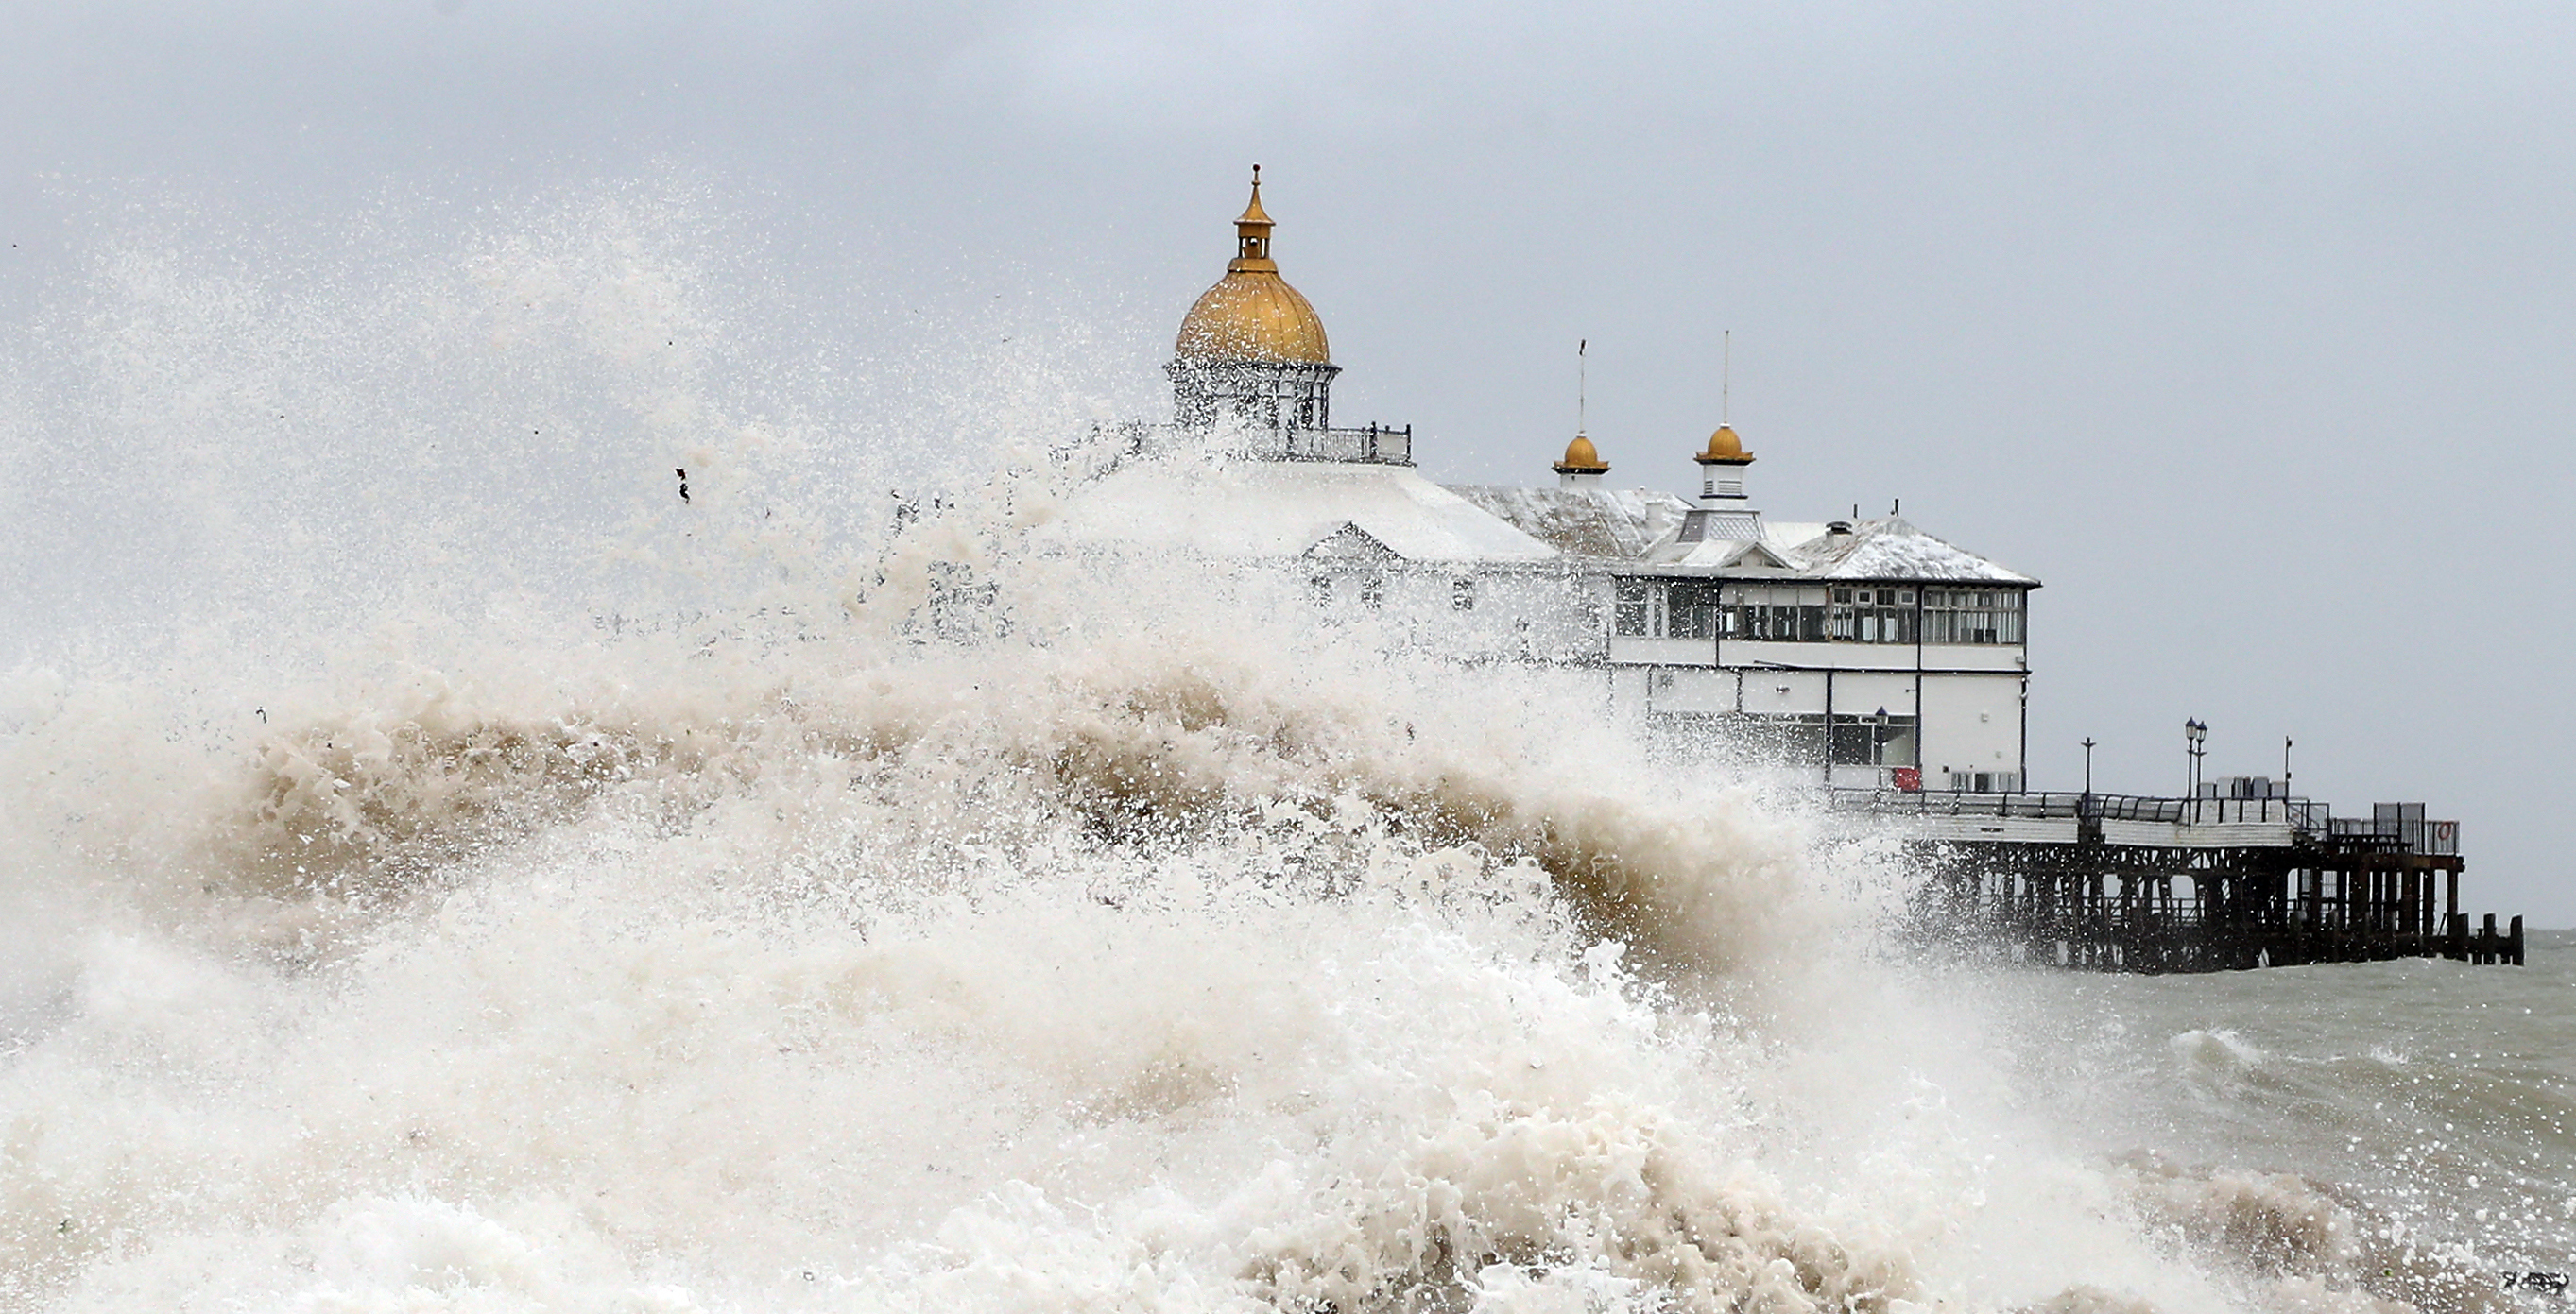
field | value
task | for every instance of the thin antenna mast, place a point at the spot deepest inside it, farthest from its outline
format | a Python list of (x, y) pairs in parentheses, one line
[(1726, 379), (1582, 379)]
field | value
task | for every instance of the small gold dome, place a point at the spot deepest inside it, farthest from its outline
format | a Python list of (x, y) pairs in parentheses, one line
[(1252, 314), (1724, 448), (1581, 457)]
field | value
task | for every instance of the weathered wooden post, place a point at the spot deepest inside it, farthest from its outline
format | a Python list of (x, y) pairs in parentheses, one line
[(2513, 942), (2429, 912)]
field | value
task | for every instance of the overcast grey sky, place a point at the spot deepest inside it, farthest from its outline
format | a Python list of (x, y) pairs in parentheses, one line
[(2246, 328)]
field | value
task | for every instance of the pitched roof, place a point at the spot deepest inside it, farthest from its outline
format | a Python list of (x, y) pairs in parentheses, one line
[(1662, 532), (1288, 508), (1615, 523), (1885, 548)]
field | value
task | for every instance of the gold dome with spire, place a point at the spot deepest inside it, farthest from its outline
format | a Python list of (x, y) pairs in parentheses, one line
[(1724, 448), (1581, 457), (1252, 314)]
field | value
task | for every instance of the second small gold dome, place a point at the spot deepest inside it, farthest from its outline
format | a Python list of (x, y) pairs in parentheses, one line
[(1724, 446), (1581, 457)]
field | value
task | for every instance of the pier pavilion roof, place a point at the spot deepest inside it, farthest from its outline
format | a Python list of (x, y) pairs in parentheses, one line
[(1884, 548), (1648, 532), (1279, 509), (1611, 523)]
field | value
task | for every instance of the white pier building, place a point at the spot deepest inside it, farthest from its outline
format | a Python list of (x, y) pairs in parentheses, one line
[(1866, 651)]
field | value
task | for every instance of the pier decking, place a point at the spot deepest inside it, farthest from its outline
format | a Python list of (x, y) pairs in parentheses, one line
[(2127, 883)]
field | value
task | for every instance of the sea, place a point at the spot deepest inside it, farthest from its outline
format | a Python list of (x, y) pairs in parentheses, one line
[(801, 898)]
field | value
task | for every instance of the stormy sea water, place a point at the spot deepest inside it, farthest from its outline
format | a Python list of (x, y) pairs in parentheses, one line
[(775, 902)]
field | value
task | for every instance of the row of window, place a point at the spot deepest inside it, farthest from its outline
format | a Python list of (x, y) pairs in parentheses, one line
[(1714, 609), (1257, 398), (1867, 740), (1711, 609), (1371, 590)]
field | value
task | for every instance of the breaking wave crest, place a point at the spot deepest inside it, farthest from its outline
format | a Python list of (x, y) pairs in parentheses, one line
[(804, 972), (1103, 744), (750, 921)]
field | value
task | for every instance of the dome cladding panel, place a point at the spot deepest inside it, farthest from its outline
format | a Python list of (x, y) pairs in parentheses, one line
[(1253, 316)]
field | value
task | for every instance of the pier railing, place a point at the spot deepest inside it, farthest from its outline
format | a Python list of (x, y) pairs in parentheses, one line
[(1376, 444), (2400, 827)]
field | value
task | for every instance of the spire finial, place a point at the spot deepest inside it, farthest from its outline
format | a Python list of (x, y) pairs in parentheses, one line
[(1724, 447), (1252, 233), (1582, 464)]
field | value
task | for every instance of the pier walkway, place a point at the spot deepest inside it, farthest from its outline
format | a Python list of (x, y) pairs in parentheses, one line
[(2114, 882)]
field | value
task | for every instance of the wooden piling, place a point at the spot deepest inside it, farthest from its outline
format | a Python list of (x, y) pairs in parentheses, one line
[(2125, 907)]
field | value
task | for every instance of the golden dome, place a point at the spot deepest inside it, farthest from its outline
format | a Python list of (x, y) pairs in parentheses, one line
[(1252, 314), (1724, 448), (1581, 457)]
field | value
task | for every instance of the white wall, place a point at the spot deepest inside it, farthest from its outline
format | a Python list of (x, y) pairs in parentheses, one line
[(1776, 693), (1691, 689), (1664, 652), (1975, 657), (1970, 723), (1517, 616), (1859, 693)]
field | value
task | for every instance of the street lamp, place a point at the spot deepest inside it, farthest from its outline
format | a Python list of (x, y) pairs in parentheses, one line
[(2088, 766), (2194, 733)]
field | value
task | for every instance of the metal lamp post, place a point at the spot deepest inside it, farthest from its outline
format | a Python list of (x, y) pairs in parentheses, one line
[(2088, 766), (2194, 734)]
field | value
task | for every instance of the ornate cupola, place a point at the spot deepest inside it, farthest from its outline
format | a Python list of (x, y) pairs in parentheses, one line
[(1721, 470), (1582, 466), (1724, 512), (1252, 350)]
